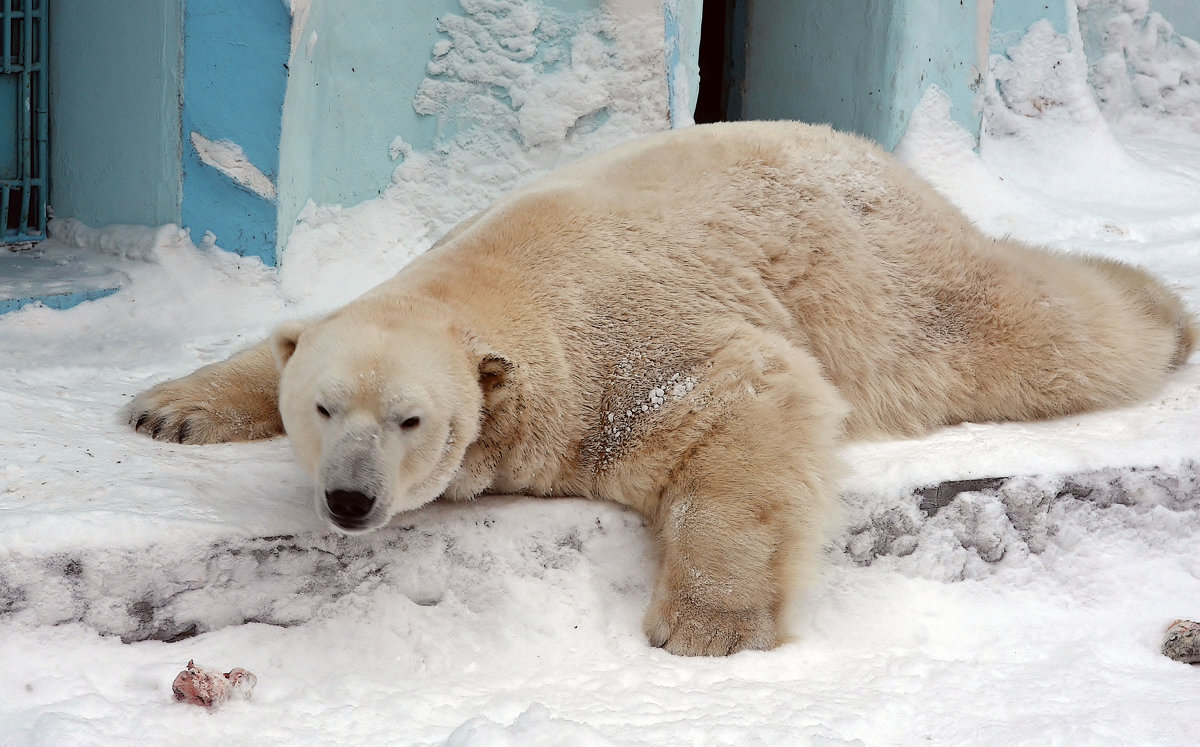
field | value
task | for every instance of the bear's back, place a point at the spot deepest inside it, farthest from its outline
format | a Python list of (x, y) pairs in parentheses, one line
[(645, 256)]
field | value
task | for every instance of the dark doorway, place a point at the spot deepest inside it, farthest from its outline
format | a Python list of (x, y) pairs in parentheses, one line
[(722, 61)]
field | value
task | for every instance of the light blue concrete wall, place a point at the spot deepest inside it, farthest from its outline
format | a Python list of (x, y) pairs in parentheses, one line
[(864, 65), (1184, 15), (115, 83), (682, 20), (352, 80), (860, 66), (353, 77), (1012, 18), (936, 45), (235, 75)]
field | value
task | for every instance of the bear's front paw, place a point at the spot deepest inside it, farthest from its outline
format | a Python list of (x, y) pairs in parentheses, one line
[(185, 412), (687, 628), (172, 412)]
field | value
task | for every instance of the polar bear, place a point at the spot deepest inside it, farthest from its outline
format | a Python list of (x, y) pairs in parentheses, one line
[(688, 325)]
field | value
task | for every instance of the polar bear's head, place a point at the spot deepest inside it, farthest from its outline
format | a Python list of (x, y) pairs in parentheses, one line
[(381, 412)]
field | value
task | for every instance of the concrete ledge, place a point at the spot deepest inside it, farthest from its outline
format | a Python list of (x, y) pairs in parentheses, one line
[(57, 276), (169, 592)]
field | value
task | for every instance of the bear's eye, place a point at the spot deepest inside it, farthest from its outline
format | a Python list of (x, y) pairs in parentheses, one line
[(322, 411), (409, 423)]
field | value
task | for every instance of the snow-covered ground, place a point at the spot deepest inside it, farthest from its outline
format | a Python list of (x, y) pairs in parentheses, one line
[(1025, 607)]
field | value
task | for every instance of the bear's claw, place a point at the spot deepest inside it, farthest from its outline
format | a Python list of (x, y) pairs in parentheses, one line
[(161, 426), (193, 426), (155, 415)]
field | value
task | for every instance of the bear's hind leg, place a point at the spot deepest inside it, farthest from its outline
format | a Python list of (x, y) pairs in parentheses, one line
[(748, 507), (234, 400)]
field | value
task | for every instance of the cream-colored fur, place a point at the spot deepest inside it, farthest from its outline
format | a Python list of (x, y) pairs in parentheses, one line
[(687, 325)]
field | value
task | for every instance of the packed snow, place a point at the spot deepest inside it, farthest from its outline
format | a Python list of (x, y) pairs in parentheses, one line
[(1144, 71), (993, 584), (228, 157)]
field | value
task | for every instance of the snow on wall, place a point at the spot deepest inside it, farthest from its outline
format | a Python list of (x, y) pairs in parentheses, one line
[(683, 21), (515, 89), (1038, 107), (1141, 67), (299, 11), (229, 158)]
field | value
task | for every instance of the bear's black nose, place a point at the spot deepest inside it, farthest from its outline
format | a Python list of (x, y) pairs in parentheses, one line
[(348, 508)]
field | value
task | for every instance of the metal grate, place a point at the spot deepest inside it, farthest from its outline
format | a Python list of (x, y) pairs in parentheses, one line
[(24, 117)]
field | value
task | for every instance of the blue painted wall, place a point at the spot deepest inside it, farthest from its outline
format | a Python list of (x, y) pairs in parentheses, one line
[(234, 79), (115, 85)]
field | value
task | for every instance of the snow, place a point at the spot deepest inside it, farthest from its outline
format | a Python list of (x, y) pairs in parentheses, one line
[(58, 269), (128, 242), (1145, 71), (299, 11), (994, 583), (228, 157)]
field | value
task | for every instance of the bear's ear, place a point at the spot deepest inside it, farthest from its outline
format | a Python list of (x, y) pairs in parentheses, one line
[(283, 342), (494, 370)]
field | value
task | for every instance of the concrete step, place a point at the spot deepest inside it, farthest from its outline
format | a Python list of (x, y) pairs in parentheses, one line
[(54, 275)]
